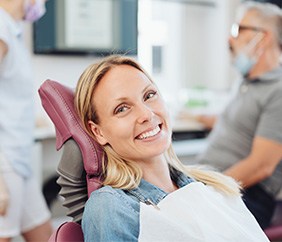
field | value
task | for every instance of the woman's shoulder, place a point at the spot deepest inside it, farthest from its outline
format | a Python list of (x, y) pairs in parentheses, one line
[(106, 193), (106, 190), (111, 199), (109, 208)]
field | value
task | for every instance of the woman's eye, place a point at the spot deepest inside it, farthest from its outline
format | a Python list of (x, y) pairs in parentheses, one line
[(150, 95), (121, 109)]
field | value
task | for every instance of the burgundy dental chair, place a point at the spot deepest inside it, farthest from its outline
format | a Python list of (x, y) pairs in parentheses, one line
[(274, 231), (80, 166)]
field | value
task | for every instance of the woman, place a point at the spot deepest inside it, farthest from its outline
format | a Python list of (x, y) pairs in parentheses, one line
[(147, 194)]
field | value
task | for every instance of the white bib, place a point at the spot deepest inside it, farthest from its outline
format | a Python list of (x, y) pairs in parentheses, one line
[(198, 212)]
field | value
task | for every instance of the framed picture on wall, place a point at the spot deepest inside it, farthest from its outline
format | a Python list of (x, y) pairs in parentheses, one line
[(83, 27)]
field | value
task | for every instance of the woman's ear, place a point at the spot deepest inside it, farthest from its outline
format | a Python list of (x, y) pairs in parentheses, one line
[(97, 133)]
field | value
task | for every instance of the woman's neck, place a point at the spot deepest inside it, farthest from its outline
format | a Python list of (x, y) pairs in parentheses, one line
[(158, 174)]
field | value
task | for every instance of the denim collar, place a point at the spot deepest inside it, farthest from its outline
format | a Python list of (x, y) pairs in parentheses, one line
[(149, 193)]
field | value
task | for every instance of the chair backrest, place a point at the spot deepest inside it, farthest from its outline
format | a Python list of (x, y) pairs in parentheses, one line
[(58, 102)]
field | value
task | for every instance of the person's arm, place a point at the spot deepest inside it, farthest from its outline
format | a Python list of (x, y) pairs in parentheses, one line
[(4, 196), (260, 164), (3, 50), (207, 120), (266, 150)]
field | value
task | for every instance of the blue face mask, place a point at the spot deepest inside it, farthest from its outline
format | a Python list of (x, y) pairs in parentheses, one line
[(243, 63)]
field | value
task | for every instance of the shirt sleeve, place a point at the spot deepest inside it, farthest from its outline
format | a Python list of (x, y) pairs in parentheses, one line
[(108, 217), (270, 123)]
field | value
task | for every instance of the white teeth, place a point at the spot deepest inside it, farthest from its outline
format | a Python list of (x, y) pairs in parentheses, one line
[(150, 133)]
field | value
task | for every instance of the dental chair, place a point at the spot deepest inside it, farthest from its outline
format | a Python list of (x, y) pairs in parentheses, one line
[(80, 167), (274, 231)]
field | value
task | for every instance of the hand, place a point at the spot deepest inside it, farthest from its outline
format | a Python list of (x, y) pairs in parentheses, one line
[(4, 197), (207, 120)]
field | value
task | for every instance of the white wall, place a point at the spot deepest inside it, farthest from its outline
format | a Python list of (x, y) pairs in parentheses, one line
[(161, 25), (65, 69), (205, 43)]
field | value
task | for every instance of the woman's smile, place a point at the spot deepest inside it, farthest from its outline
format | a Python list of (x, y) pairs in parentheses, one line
[(150, 133)]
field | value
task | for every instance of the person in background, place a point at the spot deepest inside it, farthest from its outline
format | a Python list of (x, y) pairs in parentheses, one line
[(22, 206), (147, 194), (246, 142)]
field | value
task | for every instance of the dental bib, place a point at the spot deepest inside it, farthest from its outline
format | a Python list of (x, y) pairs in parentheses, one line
[(197, 212)]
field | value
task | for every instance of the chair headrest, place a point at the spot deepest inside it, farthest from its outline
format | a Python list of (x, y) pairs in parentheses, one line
[(58, 102)]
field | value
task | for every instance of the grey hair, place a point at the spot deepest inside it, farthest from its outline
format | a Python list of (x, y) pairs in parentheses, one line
[(267, 15)]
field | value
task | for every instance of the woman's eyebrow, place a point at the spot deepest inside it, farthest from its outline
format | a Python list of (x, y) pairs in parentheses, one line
[(149, 85), (121, 99)]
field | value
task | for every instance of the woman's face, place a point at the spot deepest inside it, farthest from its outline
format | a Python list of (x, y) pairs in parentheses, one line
[(133, 118)]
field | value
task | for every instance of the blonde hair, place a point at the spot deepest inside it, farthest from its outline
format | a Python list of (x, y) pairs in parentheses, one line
[(122, 173)]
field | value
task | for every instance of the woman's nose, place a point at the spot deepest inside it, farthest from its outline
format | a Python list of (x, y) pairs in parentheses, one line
[(144, 113)]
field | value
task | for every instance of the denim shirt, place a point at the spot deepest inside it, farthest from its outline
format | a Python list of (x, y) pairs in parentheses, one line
[(112, 214)]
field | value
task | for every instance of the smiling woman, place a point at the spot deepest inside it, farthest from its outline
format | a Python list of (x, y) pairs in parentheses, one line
[(147, 193)]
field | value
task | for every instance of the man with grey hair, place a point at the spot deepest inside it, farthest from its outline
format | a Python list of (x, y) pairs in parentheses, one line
[(246, 142)]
